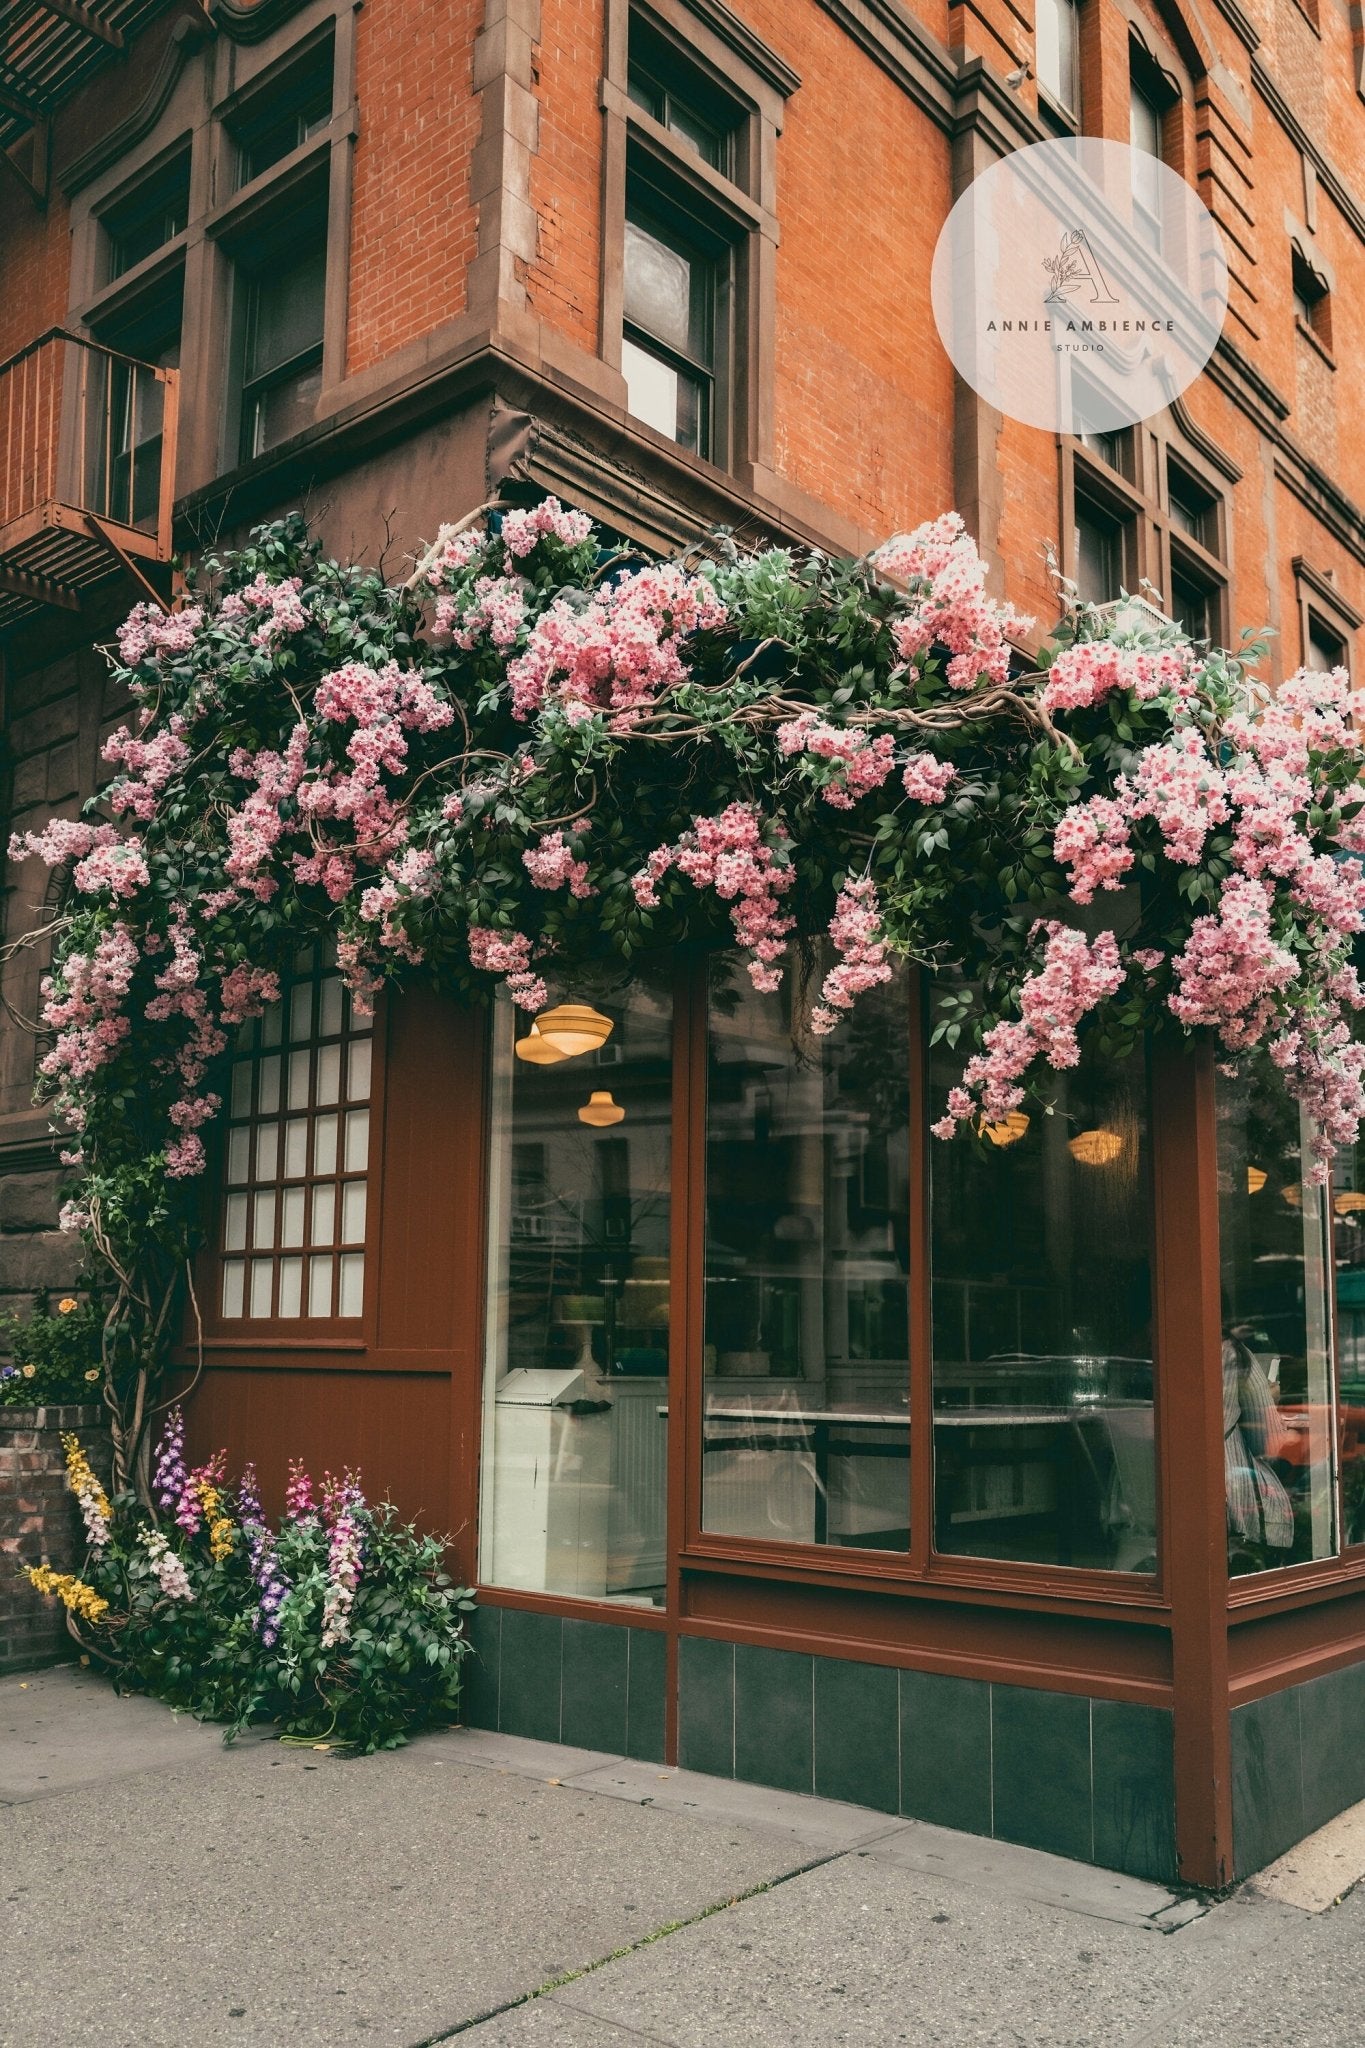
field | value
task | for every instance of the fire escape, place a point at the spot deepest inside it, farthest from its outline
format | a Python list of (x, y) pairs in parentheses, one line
[(87, 434)]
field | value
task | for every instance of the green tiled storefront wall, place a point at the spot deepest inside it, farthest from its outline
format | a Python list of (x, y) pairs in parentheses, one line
[(1080, 1777), (1298, 1757), (594, 1684)]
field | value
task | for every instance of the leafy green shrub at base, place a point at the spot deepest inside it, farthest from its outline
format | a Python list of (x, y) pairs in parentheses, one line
[(341, 1625), (54, 1358)]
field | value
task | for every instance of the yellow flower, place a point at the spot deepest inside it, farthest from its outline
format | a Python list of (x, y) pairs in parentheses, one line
[(29, 1371), (93, 1499), (93, 1373), (71, 1591), (67, 1305)]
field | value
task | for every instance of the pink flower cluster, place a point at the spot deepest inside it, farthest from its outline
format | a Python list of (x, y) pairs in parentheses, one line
[(148, 766), (409, 878), (181, 994), (748, 870), (508, 954), (926, 779), (116, 867), (279, 605), (341, 1498), (148, 630), (856, 762), (1076, 975), (1090, 670), (1232, 967), (949, 607), (620, 652), (1092, 840), (856, 932), (83, 1005), (495, 609), (61, 839), (521, 530), (552, 864)]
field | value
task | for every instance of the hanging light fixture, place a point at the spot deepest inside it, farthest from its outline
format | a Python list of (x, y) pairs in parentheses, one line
[(1256, 1179), (599, 1109), (537, 1051), (1293, 1194), (1006, 1130), (574, 1028), (1095, 1148), (1348, 1202)]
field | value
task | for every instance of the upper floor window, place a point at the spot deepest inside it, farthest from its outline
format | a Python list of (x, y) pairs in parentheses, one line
[(1324, 650), (672, 315), (149, 217), (1057, 56), (282, 346), (1100, 551), (681, 100), (292, 1230), (1312, 299), (282, 120), (1149, 96)]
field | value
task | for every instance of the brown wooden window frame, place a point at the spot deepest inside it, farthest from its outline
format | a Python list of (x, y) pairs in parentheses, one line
[(240, 1114), (1136, 490)]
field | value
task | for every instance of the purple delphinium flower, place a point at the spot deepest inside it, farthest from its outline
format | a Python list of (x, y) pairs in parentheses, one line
[(271, 1584), (170, 1479)]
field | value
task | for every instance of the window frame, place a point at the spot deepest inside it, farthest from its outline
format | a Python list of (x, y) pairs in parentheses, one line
[(1057, 115), (302, 1332)]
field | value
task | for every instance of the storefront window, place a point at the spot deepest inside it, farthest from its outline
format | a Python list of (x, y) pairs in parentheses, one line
[(1277, 1383), (1042, 1314), (806, 1420), (576, 1391), (1348, 1260)]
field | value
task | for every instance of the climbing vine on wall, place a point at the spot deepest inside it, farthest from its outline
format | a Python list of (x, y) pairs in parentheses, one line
[(541, 750)]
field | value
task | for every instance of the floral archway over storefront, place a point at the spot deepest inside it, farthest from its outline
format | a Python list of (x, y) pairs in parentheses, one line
[(543, 749)]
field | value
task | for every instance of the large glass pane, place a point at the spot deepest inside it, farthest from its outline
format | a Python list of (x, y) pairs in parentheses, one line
[(807, 1375), (1277, 1382), (659, 288), (576, 1391), (1042, 1298), (1348, 1259), (1056, 46)]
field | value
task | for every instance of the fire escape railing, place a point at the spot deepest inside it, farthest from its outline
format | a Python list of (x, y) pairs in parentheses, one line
[(87, 470)]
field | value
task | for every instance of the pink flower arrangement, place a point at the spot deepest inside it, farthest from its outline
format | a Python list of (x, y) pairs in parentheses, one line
[(749, 867)]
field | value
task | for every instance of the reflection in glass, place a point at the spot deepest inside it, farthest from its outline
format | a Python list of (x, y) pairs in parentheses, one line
[(1042, 1290), (1277, 1392), (1348, 1261), (576, 1391), (807, 1378)]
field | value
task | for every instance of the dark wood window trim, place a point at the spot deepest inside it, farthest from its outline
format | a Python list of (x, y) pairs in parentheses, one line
[(739, 209), (1137, 492), (1317, 597)]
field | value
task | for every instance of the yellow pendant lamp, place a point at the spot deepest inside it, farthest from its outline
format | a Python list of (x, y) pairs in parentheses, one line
[(599, 1109), (573, 1028), (1256, 1179), (1095, 1148), (537, 1051), (1006, 1130)]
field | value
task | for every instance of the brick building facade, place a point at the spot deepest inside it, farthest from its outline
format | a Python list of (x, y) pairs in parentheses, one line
[(386, 258)]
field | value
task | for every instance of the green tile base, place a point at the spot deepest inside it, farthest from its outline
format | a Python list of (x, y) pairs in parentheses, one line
[(1297, 1759), (592, 1684)]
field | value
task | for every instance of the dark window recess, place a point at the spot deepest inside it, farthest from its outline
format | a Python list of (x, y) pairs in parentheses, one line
[(1326, 650), (149, 218), (1194, 603), (282, 365), (1194, 510), (1098, 553), (126, 429), (292, 113), (669, 347), (681, 99), (1312, 300)]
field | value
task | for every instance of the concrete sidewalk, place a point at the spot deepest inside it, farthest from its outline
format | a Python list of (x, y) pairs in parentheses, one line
[(161, 1889)]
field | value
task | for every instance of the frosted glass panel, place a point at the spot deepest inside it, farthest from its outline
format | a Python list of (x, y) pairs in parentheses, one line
[(262, 1271), (270, 1085), (352, 1283), (263, 1222), (234, 1280), (358, 1084), (329, 1009), (234, 1224), (271, 1024), (353, 1212), (298, 1080), (319, 1287), (291, 1286), (324, 1215), (241, 1088), (357, 1140), (239, 1150), (296, 1148), (329, 1073), (267, 1151), (291, 1216), (325, 1145), (301, 1012)]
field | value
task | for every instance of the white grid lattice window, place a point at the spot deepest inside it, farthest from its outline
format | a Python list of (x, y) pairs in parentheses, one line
[(292, 1235)]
